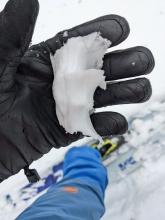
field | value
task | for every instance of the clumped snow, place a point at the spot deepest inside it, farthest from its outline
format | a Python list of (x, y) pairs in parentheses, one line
[(77, 74)]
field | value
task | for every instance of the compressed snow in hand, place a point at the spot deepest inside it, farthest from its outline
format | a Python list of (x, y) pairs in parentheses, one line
[(77, 74)]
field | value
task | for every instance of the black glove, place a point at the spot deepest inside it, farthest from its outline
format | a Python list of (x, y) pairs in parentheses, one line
[(17, 22), (30, 128)]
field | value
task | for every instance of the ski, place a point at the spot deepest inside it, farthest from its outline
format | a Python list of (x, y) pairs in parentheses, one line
[(115, 154)]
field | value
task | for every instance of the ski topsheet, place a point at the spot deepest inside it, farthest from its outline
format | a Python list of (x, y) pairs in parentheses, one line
[(117, 156)]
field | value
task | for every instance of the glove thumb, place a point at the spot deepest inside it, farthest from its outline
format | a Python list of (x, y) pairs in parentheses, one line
[(17, 22)]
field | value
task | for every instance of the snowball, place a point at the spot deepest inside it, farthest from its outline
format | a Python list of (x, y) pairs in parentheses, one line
[(77, 74)]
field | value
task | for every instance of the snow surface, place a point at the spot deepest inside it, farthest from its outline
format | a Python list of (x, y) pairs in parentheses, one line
[(141, 196), (77, 74)]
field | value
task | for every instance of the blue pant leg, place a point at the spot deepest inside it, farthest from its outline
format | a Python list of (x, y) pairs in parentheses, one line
[(79, 196)]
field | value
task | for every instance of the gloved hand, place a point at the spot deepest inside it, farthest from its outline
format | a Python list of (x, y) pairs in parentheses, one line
[(17, 22), (29, 126)]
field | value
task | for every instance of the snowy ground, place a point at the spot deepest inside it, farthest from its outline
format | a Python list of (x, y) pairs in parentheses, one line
[(141, 196)]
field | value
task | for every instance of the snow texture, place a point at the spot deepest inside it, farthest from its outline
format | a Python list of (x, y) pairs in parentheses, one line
[(77, 74)]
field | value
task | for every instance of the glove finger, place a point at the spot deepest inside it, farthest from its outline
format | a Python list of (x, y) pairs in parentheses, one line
[(131, 91), (109, 123), (17, 22), (127, 63), (112, 27)]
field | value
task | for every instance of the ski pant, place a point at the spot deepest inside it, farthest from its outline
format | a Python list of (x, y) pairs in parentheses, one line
[(79, 196)]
